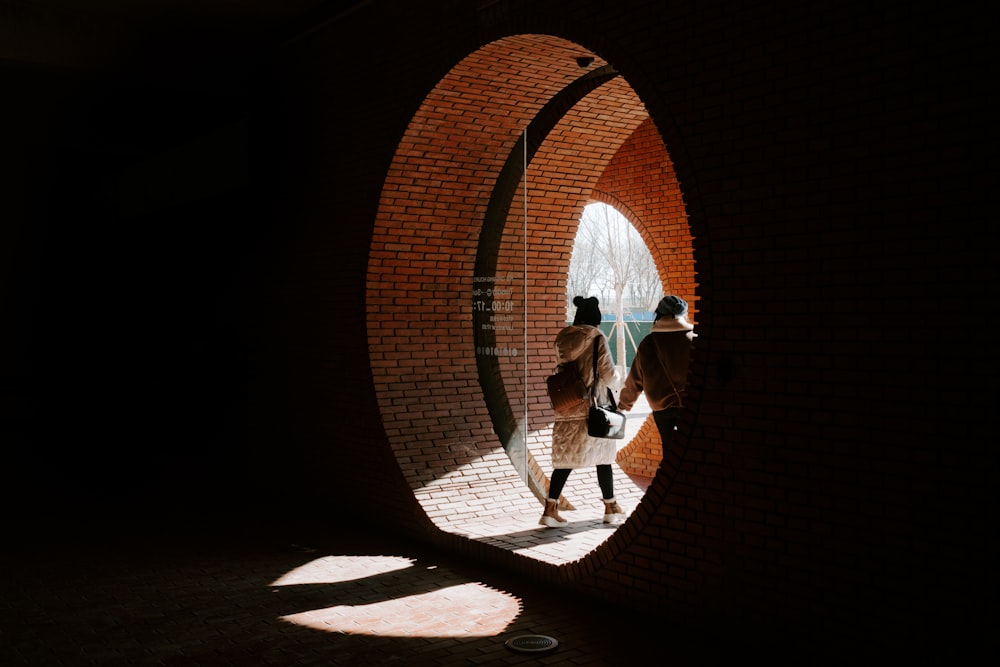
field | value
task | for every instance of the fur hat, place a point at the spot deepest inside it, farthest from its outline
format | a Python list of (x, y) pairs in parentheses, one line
[(671, 306), (587, 311)]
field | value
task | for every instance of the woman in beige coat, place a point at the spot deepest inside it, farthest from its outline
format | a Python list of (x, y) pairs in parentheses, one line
[(572, 447)]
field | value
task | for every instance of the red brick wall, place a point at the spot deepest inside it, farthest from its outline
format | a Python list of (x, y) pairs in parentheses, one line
[(828, 470)]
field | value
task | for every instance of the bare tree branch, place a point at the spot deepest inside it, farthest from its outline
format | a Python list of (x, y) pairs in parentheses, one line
[(611, 261)]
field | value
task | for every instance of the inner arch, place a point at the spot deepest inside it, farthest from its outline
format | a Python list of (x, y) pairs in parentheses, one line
[(491, 249)]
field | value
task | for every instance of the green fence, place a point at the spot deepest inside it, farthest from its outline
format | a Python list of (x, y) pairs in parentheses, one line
[(636, 332)]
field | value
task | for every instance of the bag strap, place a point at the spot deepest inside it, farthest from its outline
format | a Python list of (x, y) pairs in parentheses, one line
[(593, 386)]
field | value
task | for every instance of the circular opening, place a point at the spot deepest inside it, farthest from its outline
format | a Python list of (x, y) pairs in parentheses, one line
[(468, 268)]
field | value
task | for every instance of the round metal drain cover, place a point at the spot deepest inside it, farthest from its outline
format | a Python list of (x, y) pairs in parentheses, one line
[(531, 643)]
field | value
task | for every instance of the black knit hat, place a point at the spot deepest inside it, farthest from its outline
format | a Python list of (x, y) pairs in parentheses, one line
[(671, 306), (587, 311)]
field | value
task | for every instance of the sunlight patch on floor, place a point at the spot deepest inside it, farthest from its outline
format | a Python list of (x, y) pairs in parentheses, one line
[(486, 612)]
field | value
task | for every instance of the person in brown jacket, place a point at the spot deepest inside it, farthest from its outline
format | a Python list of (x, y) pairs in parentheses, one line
[(660, 367)]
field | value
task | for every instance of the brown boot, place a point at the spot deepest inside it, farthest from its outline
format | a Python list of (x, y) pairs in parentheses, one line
[(550, 517), (613, 513)]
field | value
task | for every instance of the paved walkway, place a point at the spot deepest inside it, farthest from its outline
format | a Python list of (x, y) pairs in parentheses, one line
[(516, 529), (498, 510), (358, 600), (276, 596)]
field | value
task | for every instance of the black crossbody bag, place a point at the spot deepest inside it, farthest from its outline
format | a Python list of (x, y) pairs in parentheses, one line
[(604, 421)]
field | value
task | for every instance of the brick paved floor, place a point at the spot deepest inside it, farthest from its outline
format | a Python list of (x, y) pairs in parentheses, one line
[(252, 598), (357, 600), (488, 502)]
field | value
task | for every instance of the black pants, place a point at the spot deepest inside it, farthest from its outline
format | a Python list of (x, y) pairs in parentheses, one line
[(666, 424), (605, 478)]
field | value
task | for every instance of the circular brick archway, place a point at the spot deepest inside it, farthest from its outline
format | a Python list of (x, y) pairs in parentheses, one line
[(469, 258)]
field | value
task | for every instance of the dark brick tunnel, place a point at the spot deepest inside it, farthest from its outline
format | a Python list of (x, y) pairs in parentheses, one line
[(239, 252)]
